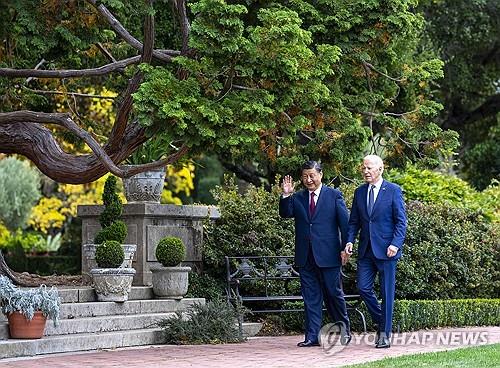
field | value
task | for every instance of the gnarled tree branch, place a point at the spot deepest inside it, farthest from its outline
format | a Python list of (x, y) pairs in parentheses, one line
[(123, 113), (65, 121), (75, 73), (184, 24), (164, 55)]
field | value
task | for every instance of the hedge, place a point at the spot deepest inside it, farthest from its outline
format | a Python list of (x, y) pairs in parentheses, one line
[(450, 252), (410, 315)]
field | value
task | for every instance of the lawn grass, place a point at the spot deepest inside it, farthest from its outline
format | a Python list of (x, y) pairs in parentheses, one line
[(486, 356)]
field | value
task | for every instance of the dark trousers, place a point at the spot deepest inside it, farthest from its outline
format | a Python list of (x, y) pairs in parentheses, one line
[(318, 283), (368, 266)]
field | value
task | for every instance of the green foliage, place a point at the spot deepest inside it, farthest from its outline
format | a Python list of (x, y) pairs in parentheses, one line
[(109, 254), (483, 356), (170, 251), (113, 229), (53, 243), (26, 242), (13, 299), (20, 189), (464, 34), (212, 323), (411, 315), (45, 265), (277, 82), (112, 203), (439, 188), (150, 151), (249, 225), (302, 90), (203, 285), (116, 231), (482, 162), (449, 253)]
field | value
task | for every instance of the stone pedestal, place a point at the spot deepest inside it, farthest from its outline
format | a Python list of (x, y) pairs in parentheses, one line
[(147, 223)]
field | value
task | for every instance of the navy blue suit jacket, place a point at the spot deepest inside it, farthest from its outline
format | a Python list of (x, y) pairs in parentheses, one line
[(386, 225), (322, 230)]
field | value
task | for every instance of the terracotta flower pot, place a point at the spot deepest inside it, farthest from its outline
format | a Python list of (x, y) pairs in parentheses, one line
[(21, 328)]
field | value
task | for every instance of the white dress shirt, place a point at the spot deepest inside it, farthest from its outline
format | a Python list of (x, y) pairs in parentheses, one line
[(376, 189), (316, 194)]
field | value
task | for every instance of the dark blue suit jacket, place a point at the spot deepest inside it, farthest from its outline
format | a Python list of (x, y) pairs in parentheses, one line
[(385, 226), (322, 230)]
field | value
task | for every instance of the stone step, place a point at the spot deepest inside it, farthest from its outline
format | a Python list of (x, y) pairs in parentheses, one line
[(93, 309), (85, 294), (98, 324), (79, 342)]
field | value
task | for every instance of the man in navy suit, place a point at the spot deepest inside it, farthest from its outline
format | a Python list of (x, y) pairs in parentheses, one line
[(320, 214), (378, 210)]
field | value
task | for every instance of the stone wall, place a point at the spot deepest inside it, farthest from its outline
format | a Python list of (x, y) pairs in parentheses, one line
[(149, 222)]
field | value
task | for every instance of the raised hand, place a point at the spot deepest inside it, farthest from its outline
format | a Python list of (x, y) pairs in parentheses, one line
[(288, 186)]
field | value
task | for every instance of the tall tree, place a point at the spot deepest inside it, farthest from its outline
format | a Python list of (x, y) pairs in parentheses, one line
[(262, 84), (465, 34)]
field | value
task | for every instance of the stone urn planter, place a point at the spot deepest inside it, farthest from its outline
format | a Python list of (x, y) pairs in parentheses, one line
[(144, 187), (170, 279), (170, 282), (112, 284), (89, 255)]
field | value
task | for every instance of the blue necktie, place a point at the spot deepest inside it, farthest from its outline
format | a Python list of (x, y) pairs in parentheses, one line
[(371, 199)]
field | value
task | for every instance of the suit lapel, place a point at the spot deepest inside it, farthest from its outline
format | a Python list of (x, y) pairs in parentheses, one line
[(320, 200), (305, 201), (363, 194)]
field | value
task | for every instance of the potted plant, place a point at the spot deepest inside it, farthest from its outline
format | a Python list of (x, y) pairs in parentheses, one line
[(112, 283), (112, 228), (146, 186), (170, 280), (27, 310)]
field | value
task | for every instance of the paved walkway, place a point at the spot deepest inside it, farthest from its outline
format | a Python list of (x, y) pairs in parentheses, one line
[(266, 352)]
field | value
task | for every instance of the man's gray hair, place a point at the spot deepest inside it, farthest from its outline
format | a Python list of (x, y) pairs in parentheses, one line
[(375, 159)]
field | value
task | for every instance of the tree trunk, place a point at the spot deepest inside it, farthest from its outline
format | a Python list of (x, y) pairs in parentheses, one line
[(7, 272)]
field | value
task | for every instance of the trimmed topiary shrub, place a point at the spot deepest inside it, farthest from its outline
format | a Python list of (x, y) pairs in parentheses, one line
[(112, 228), (116, 231), (109, 254), (170, 251), (112, 203)]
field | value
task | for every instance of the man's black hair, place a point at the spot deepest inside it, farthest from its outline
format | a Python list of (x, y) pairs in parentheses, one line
[(311, 165)]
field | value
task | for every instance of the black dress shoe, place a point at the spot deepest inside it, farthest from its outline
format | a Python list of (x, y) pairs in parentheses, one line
[(383, 343), (307, 344)]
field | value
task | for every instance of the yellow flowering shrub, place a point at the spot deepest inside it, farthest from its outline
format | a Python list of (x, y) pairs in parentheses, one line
[(4, 235), (178, 181), (51, 213), (47, 215)]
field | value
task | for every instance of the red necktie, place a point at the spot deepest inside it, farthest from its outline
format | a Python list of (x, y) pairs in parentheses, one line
[(312, 205)]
